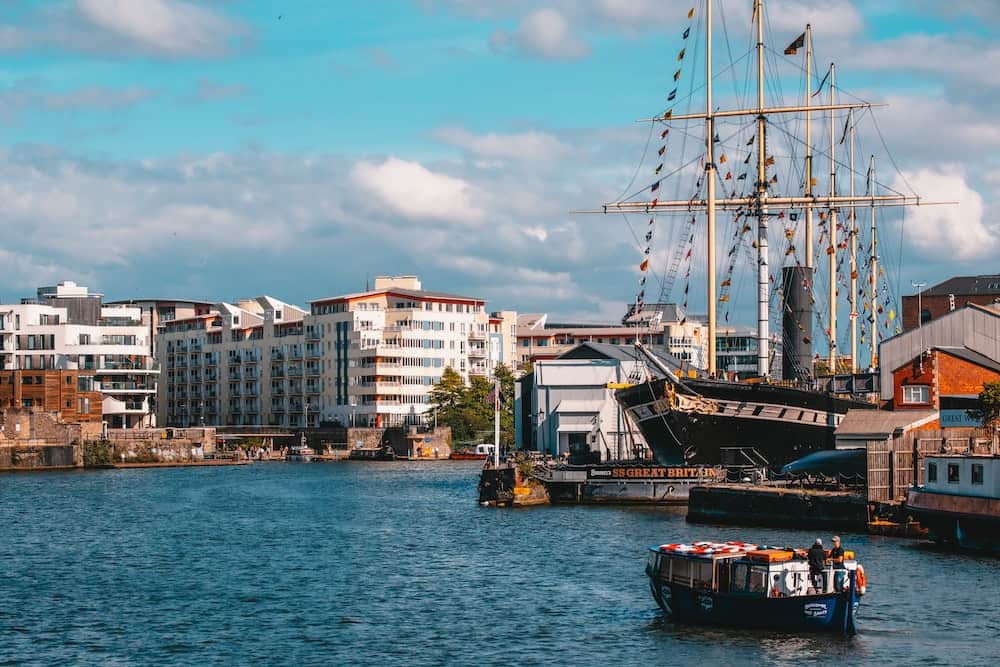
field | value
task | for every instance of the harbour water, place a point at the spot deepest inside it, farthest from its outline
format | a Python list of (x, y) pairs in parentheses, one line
[(396, 564)]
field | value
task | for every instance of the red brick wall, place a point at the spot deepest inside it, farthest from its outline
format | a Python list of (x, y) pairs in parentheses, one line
[(958, 376), (939, 305), (911, 374), (945, 374)]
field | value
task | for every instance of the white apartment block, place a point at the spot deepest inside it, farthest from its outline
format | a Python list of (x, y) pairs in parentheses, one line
[(67, 327), (369, 358)]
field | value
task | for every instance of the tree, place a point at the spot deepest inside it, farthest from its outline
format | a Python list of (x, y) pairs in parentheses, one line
[(988, 412), (506, 405), (447, 398)]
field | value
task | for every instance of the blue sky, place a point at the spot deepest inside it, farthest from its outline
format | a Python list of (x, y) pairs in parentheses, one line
[(230, 148)]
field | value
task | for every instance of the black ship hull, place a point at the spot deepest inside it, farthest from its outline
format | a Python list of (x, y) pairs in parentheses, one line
[(694, 423)]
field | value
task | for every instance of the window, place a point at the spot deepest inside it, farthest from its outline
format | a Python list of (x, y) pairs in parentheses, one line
[(916, 393), (925, 315), (953, 476), (977, 473), (931, 472)]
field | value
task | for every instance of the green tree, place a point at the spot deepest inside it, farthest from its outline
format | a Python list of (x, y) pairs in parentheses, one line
[(506, 405), (447, 399), (988, 412)]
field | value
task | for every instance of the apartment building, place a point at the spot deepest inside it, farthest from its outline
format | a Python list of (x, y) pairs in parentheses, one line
[(242, 364), (67, 327), (367, 358), (662, 327), (386, 348)]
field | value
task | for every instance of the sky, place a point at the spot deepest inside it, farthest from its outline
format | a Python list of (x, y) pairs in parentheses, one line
[(231, 148)]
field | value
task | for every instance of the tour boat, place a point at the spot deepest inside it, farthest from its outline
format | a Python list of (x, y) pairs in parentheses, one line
[(743, 585)]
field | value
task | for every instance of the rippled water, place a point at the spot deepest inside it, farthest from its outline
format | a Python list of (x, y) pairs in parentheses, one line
[(396, 564)]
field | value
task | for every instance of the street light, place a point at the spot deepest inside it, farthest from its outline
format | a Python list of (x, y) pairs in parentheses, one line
[(920, 321), (920, 312)]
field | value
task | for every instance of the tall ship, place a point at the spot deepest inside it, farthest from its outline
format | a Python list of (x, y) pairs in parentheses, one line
[(744, 180)]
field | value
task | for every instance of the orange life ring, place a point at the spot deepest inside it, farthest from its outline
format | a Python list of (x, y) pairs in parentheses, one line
[(860, 579)]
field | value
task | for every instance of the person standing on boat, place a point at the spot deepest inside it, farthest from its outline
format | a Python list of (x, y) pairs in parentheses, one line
[(837, 553), (817, 563)]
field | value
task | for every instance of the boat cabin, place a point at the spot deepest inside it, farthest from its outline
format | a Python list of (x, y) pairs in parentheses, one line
[(486, 449), (743, 569), (963, 475)]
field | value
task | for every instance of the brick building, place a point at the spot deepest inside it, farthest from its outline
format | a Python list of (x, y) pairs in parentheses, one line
[(947, 296), (946, 379)]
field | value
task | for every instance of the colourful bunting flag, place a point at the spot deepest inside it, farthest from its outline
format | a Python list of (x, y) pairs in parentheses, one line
[(680, 56), (666, 131), (672, 95), (677, 75), (644, 265), (691, 13), (687, 31), (729, 176), (663, 149), (654, 187), (794, 47)]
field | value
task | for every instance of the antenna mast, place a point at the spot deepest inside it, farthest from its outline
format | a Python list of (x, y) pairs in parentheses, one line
[(710, 176), (762, 264)]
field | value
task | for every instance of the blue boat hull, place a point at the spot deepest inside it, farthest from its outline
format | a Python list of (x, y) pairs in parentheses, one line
[(834, 612)]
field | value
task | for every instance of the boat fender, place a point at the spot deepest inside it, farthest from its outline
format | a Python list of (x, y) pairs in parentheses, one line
[(860, 579)]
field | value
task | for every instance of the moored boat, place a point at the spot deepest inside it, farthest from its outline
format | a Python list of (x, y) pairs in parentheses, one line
[(480, 453), (742, 585), (299, 454), (959, 502)]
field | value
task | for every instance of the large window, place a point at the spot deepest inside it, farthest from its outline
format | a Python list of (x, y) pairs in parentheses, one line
[(931, 472), (977, 473), (916, 393)]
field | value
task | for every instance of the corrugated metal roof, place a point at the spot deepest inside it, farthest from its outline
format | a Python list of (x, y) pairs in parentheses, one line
[(965, 285), (878, 424)]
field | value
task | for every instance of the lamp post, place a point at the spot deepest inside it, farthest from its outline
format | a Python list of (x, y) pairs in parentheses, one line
[(920, 321), (920, 311)]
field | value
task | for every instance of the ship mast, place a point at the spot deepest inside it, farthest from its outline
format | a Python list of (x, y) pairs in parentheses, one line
[(809, 156), (762, 263), (853, 232), (874, 268), (710, 176), (831, 221)]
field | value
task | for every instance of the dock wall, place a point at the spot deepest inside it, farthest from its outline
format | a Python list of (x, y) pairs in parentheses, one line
[(777, 507)]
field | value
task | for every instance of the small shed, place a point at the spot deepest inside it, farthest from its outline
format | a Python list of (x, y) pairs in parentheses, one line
[(883, 434)]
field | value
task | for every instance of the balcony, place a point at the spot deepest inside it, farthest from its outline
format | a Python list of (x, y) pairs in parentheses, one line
[(295, 354), (313, 333), (294, 372), (313, 352), (312, 369), (277, 355)]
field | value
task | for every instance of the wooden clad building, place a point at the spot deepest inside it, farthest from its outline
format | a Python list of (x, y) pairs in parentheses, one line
[(67, 392)]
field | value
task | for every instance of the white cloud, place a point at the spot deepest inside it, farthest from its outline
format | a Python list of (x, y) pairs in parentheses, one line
[(956, 232), (414, 191), (160, 28), (532, 145), (544, 33), (32, 95)]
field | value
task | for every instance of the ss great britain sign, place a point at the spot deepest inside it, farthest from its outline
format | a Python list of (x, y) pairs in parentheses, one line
[(700, 473)]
